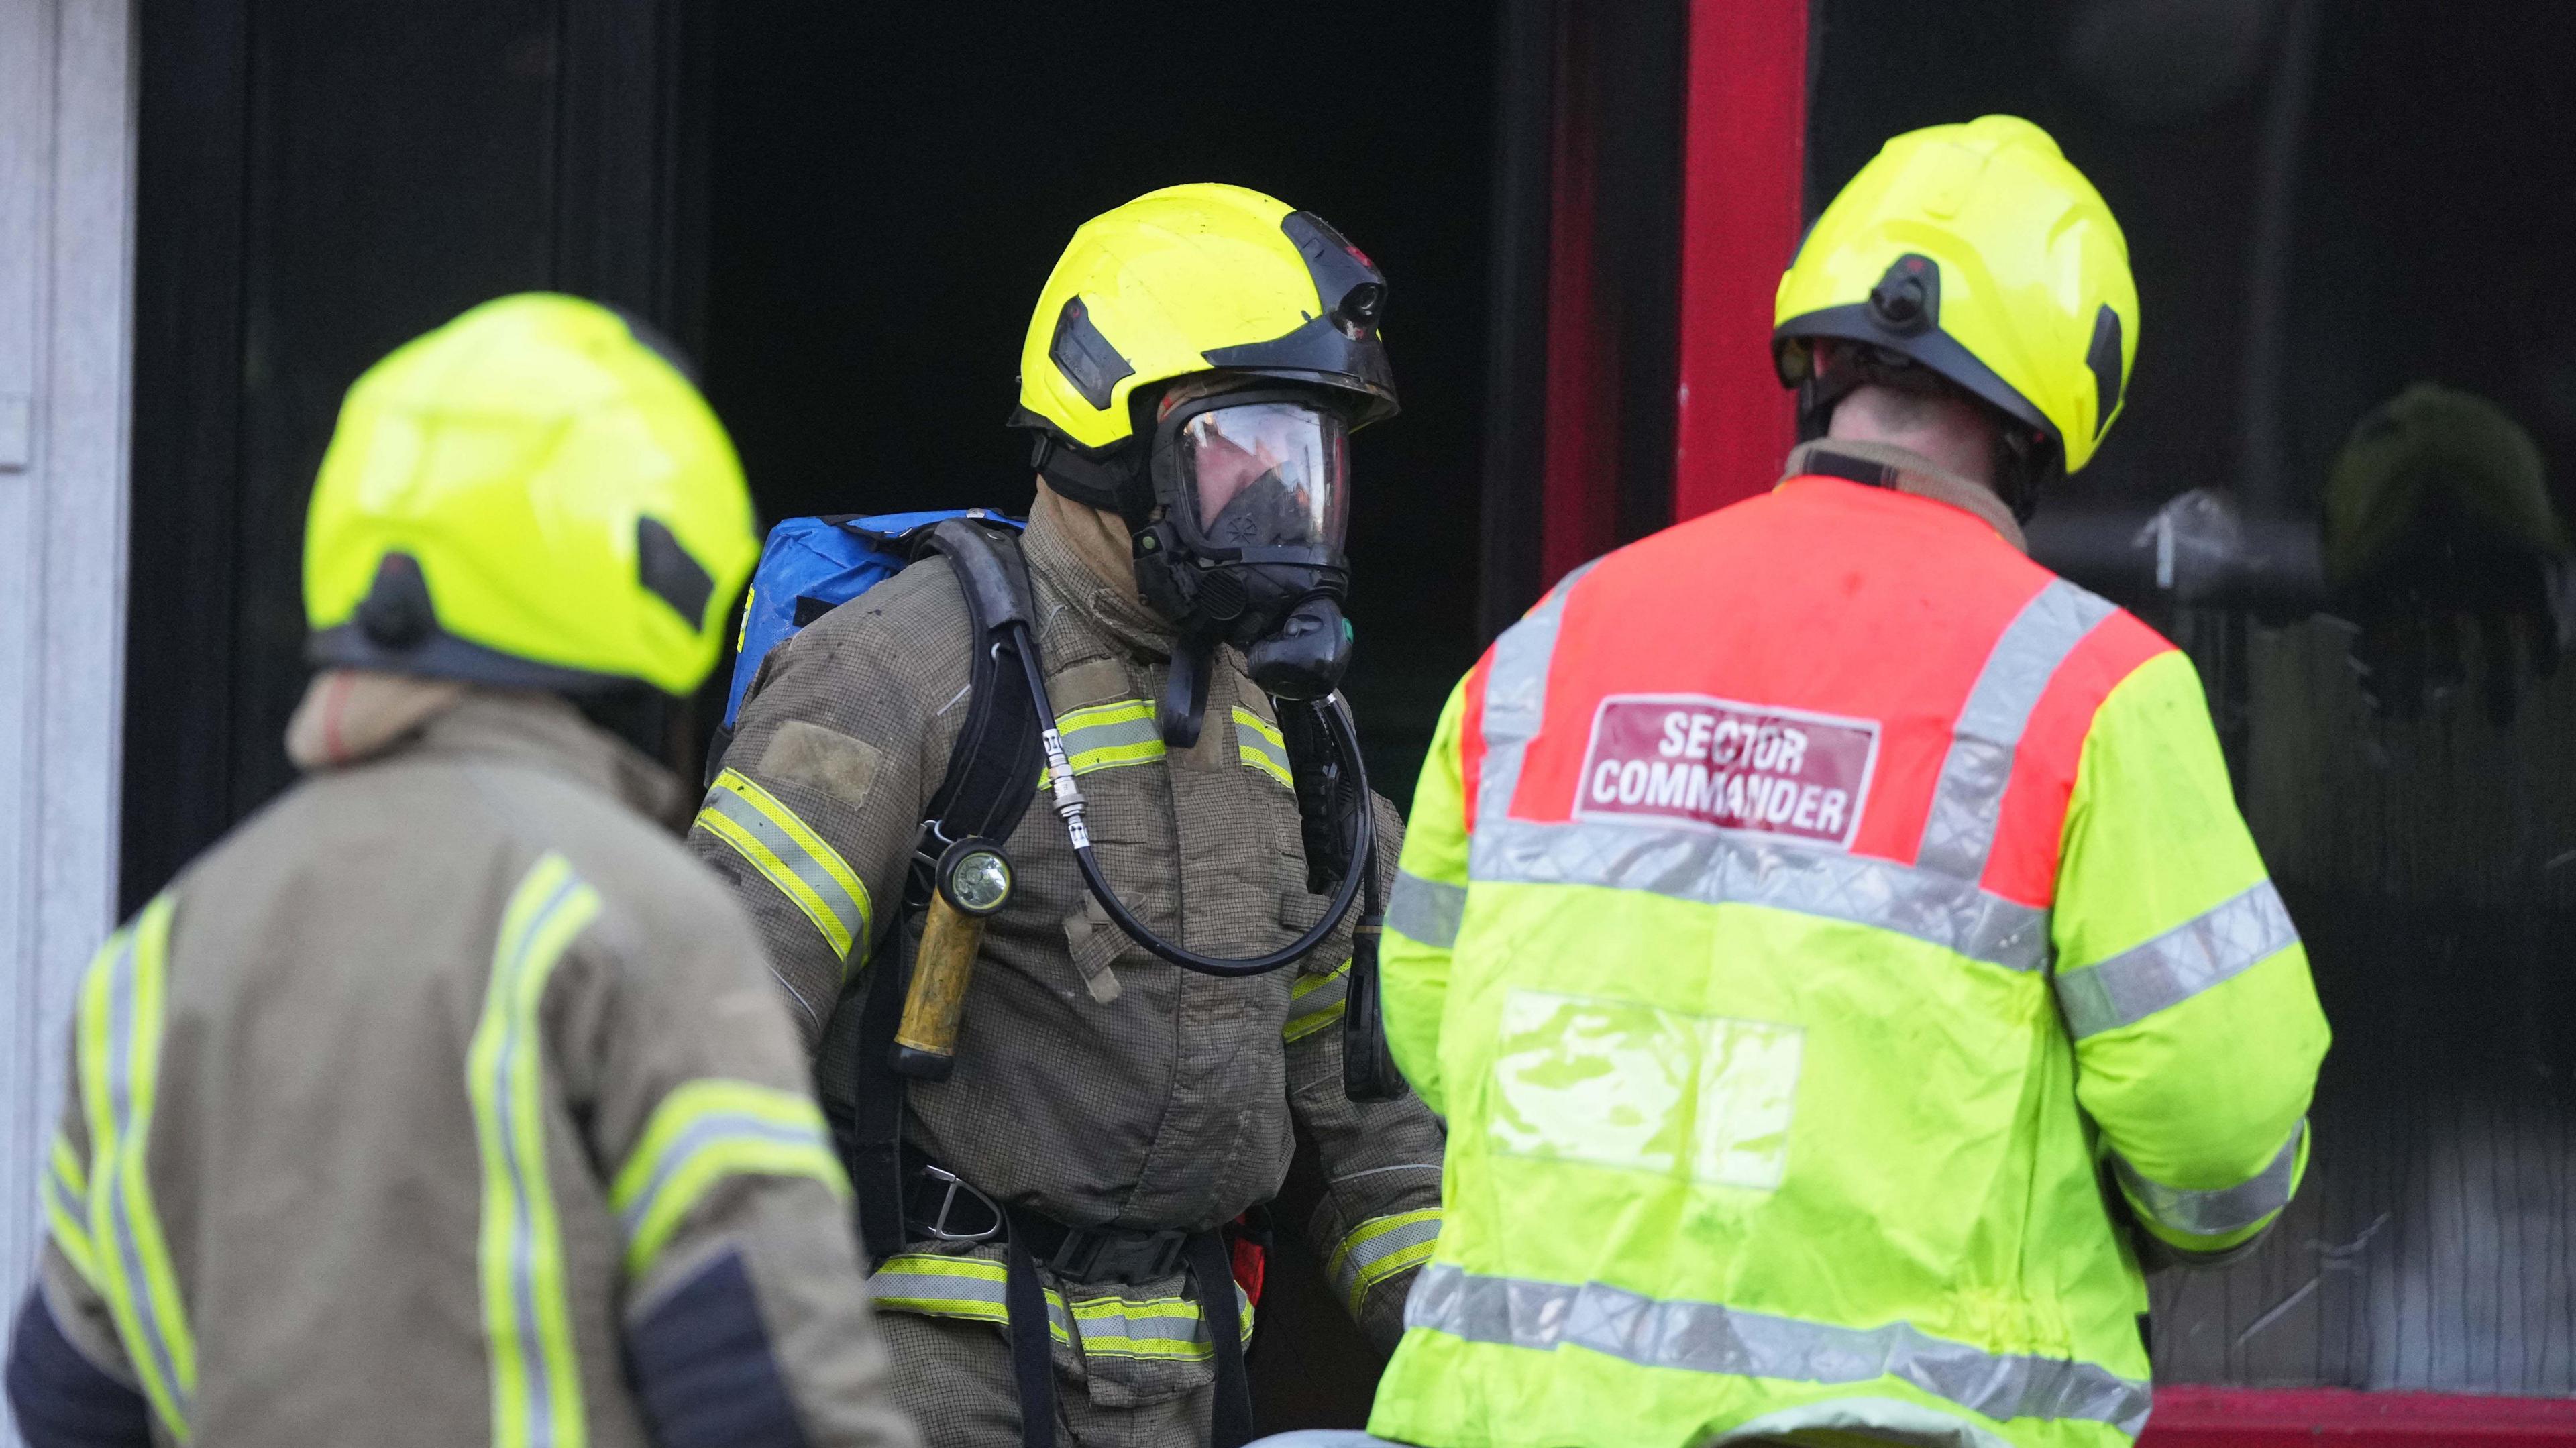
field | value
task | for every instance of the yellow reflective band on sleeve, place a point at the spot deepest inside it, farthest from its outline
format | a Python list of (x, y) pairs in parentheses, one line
[(788, 854), (705, 1132), (67, 1209), (122, 1003), (1107, 736), (527, 1316), (1257, 739), (1316, 1001), (972, 1289), (1380, 1248)]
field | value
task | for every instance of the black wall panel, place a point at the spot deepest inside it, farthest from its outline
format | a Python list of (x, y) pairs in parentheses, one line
[(319, 183)]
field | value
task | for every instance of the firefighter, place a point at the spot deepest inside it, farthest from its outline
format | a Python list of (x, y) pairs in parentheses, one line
[(1813, 994), (1192, 371), (445, 1100)]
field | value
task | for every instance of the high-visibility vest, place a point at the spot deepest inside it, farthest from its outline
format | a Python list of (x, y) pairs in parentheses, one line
[(1807, 911)]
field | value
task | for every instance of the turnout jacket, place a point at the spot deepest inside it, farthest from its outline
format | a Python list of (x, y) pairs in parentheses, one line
[(445, 1101), (1816, 992), (1093, 1082)]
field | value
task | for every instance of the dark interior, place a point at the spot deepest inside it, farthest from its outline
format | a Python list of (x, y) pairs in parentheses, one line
[(888, 187)]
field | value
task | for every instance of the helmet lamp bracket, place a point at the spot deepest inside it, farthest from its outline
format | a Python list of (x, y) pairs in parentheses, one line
[(1907, 299)]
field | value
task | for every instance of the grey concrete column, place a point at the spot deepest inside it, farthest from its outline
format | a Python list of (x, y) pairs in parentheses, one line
[(66, 340)]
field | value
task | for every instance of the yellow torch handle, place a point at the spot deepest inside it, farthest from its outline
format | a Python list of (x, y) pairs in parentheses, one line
[(925, 1044)]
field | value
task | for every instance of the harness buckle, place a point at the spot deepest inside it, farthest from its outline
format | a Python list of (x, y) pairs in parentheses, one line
[(1090, 1254), (937, 1226)]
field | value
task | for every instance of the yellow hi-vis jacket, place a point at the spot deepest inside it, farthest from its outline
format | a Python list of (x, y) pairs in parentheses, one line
[(1807, 913)]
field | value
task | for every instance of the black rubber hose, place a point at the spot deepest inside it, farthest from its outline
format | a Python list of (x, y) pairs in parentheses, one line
[(1069, 806)]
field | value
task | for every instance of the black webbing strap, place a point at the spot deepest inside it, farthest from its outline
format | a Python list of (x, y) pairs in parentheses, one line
[(992, 776), (1212, 1266), (1032, 1346)]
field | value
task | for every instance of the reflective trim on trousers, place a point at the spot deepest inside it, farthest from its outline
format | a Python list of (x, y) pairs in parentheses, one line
[(1426, 910), (2223, 1210), (1967, 802), (2215, 946), (122, 1005), (1316, 1001), (1516, 697), (527, 1312), (1712, 868), (1709, 1337), (1263, 751), (1380, 1248), (972, 1288), (791, 856), (1106, 736), (706, 1132)]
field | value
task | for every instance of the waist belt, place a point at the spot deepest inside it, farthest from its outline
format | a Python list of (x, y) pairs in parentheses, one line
[(939, 1204), (942, 1206)]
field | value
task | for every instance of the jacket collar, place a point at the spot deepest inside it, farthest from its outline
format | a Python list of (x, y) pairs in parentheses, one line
[(1883, 465), (1056, 567), (349, 716)]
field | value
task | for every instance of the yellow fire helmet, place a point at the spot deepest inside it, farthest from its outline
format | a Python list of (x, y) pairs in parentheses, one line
[(532, 495), (1978, 253), (1189, 279)]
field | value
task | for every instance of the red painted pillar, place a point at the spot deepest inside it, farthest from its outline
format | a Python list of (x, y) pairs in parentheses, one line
[(1743, 194)]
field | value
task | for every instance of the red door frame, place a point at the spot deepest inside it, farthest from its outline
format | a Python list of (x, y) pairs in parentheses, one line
[(1743, 201)]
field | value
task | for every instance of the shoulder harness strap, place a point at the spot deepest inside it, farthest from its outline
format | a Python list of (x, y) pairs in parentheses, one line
[(993, 774)]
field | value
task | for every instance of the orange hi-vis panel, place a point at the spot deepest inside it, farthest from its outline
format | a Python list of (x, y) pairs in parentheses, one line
[(1819, 925), (1984, 702)]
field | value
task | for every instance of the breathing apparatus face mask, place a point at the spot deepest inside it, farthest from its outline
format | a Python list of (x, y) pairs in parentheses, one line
[(1254, 491)]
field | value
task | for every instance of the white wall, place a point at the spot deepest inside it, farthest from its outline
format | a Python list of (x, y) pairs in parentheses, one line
[(66, 338)]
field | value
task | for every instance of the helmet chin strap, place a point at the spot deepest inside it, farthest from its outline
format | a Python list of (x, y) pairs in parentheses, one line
[(1183, 708)]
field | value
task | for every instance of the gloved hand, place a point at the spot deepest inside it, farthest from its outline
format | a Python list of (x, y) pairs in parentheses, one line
[(2439, 524)]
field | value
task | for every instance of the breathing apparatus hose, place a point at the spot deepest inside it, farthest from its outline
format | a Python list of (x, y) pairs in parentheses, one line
[(1069, 806)]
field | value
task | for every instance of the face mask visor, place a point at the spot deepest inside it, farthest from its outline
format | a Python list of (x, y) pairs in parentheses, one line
[(1261, 479)]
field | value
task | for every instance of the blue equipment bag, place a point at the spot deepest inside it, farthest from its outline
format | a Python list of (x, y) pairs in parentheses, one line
[(812, 565)]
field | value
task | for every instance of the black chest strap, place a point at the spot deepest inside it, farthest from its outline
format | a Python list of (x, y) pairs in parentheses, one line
[(993, 773)]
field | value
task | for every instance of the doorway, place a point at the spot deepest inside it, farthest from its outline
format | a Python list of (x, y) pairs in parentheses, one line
[(888, 187)]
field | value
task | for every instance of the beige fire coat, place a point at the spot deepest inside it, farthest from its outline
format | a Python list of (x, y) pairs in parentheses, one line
[(446, 1101), (1093, 1082)]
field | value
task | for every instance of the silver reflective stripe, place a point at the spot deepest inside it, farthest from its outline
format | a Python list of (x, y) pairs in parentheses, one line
[(1718, 869), (1316, 1001), (2228, 1209), (147, 1303), (1253, 741), (1426, 910), (799, 861), (1370, 1245), (1967, 801), (1115, 735), (2181, 963), (1516, 698), (1709, 1337), (714, 1129), (978, 1295), (67, 1199)]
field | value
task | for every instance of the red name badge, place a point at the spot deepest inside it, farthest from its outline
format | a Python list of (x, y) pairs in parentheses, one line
[(1723, 765)]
